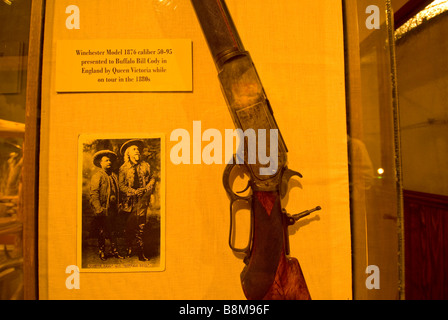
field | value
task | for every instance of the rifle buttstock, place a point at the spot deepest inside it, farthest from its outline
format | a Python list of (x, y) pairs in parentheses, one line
[(269, 273)]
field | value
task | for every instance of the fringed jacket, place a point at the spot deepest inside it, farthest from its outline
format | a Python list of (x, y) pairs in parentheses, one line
[(129, 183), (103, 190)]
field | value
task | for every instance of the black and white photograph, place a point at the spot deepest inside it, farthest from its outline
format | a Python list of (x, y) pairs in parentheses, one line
[(121, 216)]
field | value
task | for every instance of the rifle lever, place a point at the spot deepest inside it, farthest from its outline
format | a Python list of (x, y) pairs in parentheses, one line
[(234, 198)]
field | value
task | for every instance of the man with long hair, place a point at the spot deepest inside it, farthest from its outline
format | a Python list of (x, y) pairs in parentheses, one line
[(136, 184)]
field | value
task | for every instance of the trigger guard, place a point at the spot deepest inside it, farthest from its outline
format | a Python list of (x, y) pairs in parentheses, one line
[(226, 183), (233, 199), (225, 178)]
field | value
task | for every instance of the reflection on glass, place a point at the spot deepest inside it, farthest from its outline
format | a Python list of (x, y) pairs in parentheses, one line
[(14, 35), (11, 157), (423, 42), (422, 68), (373, 151)]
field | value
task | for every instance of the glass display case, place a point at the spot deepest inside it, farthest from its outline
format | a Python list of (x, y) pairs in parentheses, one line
[(331, 79), (20, 53), (374, 149)]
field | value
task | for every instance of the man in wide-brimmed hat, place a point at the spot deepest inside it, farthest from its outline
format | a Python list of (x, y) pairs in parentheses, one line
[(136, 184), (104, 198)]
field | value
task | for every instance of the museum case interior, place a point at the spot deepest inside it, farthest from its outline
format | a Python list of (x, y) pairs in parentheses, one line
[(424, 149), (13, 79), (115, 136)]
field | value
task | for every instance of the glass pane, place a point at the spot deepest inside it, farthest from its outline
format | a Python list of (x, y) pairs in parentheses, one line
[(14, 36), (422, 68), (422, 42), (373, 150)]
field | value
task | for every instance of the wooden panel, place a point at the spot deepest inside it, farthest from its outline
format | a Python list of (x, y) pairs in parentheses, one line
[(31, 150), (426, 239)]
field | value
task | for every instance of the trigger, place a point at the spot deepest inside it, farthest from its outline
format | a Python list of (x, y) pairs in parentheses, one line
[(287, 175), (245, 189)]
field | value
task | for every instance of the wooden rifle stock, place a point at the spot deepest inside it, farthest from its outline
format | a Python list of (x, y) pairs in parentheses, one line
[(269, 273)]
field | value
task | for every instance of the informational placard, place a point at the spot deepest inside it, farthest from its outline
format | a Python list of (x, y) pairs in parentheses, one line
[(156, 65)]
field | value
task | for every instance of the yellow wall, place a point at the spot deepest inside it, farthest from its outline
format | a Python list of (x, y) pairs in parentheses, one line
[(297, 47)]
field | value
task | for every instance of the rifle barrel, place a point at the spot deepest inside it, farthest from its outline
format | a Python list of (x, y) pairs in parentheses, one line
[(219, 30)]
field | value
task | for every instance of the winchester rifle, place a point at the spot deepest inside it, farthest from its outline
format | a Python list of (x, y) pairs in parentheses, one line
[(269, 273)]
